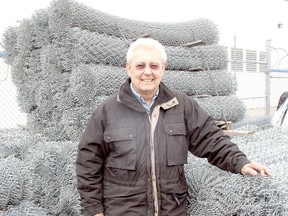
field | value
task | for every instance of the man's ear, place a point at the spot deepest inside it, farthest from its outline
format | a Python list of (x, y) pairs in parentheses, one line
[(128, 68), (163, 69)]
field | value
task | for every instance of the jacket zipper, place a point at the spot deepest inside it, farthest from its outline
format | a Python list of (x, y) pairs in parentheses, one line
[(153, 122)]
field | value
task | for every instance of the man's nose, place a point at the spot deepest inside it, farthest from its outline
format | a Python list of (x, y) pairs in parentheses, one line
[(147, 70)]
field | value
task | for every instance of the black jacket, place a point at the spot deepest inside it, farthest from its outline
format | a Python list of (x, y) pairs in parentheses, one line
[(131, 162)]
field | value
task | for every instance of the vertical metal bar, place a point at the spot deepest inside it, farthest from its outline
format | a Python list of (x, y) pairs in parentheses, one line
[(234, 53), (268, 76)]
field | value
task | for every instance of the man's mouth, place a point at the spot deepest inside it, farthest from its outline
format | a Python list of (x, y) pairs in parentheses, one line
[(147, 80)]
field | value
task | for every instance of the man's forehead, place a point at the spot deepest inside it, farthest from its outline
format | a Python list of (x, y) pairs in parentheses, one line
[(146, 61), (144, 56)]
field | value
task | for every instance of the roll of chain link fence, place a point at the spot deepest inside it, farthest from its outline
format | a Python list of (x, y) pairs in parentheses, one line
[(66, 60)]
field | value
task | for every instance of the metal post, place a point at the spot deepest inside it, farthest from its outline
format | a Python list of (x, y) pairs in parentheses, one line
[(234, 53), (268, 76)]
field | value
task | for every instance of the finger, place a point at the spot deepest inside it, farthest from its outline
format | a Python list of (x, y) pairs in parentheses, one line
[(267, 172), (263, 171), (251, 172), (260, 170)]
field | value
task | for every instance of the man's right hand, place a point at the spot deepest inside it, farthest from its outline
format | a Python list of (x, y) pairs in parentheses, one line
[(99, 214)]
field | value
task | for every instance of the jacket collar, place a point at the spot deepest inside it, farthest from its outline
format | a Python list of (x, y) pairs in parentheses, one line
[(127, 97)]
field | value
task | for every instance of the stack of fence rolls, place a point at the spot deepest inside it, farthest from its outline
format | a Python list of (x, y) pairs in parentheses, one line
[(68, 58), (38, 177)]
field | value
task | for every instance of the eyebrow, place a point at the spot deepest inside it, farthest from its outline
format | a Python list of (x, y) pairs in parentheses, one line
[(143, 62)]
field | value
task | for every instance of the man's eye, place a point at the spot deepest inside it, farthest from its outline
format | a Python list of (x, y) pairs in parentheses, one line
[(139, 67), (154, 67)]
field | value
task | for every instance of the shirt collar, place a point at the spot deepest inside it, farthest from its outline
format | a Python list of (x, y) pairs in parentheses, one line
[(140, 98)]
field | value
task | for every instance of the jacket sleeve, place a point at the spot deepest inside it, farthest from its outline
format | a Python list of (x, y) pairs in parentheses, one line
[(89, 166), (207, 140)]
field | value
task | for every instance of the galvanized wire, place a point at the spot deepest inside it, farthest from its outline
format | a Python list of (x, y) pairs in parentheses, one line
[(53, 167), (87, 81), (48, 51), (58, 62), (217, 192), (248, 122), (15, 181), (91, 47), (64, 14), (232, 106), (9, 44), (10, 114), (211, 191), (25, 208)]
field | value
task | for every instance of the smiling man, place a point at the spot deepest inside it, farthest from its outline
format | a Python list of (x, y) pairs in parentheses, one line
[(145, 66), (132, 153)]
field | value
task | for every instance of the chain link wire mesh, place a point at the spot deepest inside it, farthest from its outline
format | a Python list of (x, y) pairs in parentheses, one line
[(66, 14), (10, 114), (68, 59), (69, 55), (45, 173), (214, 192)]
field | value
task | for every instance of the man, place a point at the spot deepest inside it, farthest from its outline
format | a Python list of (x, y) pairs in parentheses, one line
[(132, 153)]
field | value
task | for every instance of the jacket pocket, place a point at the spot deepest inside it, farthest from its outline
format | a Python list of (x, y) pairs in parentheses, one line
[(176, 142), (122, 146)]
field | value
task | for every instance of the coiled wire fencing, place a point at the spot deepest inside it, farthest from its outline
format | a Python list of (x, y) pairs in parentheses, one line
[(68, 59), (65, 60)]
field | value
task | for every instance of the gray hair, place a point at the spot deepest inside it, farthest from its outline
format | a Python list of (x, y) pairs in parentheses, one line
[(148, 42)]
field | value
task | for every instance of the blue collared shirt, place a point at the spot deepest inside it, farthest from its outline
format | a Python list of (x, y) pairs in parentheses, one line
[(141, 100)]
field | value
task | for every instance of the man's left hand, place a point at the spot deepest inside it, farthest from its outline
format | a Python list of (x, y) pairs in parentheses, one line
[(254, 169)]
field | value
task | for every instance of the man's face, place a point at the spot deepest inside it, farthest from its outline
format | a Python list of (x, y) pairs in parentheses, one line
[(145, 70)]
